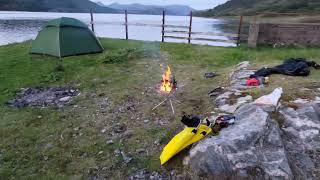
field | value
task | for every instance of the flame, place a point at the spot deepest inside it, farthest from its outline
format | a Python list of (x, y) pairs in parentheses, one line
[(166, 85)]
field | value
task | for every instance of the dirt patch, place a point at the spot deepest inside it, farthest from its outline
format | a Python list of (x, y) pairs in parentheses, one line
[(43, 97)]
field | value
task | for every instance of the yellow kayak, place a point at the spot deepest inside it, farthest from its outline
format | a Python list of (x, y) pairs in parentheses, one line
[(182, 140)]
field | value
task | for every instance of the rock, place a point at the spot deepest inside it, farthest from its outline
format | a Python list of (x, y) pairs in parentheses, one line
[(223, 101), (39, 117), (215, 92), (210, 75), (65, 99), (46, 158), (127, 134), (301, 134), (48, 146), (161, 122), (232, 108), (117, 152), (104, 130), (300, 101), (125, 158), (238, 93), (305, 89), (242, 65), (223, 98), (245, 99), (110, 142), (143, 174), (101, 94), (228, 108), (239, 76), (76, 128), (43, 97), (93, 95), (250, 149), (180, 177), (84, 154), (156, 142), (100, 152), (155, 175), (139, 151), (120, 128)]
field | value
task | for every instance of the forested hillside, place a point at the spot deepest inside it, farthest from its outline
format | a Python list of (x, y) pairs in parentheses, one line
[(152, 9), (53, 6), (249, 7)]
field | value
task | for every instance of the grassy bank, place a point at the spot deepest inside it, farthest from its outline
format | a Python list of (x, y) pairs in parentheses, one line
[(117, 89)]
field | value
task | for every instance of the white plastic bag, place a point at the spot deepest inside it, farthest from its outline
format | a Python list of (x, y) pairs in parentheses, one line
[(270, 99)]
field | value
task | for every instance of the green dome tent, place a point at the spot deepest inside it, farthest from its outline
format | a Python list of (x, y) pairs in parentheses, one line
[(65, 37)]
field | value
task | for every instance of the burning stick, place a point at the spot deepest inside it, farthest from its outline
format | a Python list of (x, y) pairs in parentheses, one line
[(168, 82), (168, 85)]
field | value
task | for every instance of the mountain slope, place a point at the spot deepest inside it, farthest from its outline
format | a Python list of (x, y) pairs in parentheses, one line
[(249, 7), (53, 6), (152, 9)]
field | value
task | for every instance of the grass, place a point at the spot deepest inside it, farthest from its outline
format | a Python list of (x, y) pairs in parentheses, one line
[(53, 143)]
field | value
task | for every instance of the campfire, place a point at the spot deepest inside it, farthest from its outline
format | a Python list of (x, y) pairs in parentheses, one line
[(168, 85), (168, 82)]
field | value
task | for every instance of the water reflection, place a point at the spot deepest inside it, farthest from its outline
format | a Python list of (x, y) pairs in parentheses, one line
[(18, 30), (21, 26)]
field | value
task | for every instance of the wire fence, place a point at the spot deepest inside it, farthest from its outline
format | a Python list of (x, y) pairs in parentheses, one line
[(185, 32)]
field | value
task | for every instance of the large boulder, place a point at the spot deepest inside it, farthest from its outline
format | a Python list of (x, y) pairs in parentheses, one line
[(301, 135), (250, 149)]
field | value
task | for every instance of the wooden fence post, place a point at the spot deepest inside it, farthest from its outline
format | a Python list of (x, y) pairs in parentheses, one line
[(163, 24), (126, 23), (239, 31), (92, 22), (190, 28), (253, 33)]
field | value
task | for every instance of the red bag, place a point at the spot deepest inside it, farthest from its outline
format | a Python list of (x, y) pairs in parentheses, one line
[(253, 82)]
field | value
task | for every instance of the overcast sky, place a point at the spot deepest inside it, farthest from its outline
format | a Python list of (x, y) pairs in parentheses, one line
[(196, 4)]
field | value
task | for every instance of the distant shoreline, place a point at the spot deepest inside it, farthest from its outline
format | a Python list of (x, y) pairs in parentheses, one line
[(5, 11)]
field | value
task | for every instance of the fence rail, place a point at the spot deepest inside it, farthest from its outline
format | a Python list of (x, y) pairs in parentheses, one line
[(204, 33), (199, 39), (170, 31)]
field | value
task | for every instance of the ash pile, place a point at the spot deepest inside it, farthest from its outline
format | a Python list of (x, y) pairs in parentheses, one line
[(43, 97)]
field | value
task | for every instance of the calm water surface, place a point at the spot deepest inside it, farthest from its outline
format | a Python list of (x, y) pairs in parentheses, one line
[(22, 26)]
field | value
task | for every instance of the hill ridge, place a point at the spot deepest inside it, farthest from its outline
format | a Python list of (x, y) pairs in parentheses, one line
[(80, 6), (250, 7)]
